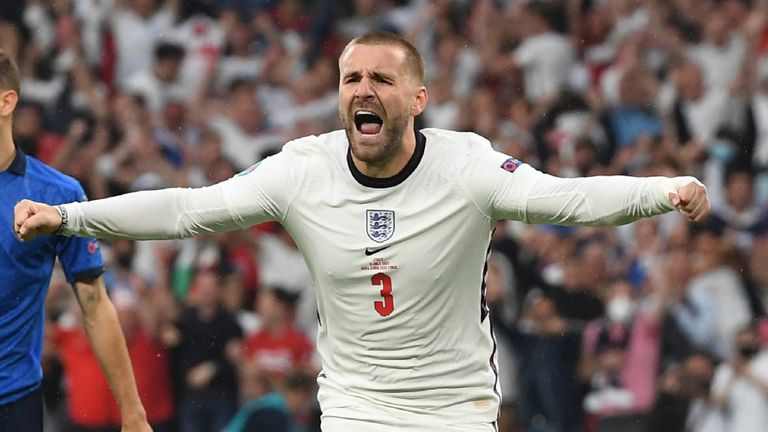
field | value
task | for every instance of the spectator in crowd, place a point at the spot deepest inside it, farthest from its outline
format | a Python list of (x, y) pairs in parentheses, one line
[(620, 356), (584, 277), (699, 113), (268, 409), (207, 350), (243, 130), (716, 280), (544, 55), (683, 403), (740, 384), (149, 356), (90, 406), (689, 324), (160, 83), (136, 27), (739, 214), (547, 384), (277, 252), (279, 347)]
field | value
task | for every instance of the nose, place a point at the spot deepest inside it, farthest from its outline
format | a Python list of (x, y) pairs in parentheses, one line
[(364, 90)]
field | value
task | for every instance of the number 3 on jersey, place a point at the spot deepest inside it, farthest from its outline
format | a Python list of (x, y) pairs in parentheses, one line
[(385, 307)]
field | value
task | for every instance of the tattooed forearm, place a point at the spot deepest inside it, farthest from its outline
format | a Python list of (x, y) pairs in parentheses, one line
[(86, 293)]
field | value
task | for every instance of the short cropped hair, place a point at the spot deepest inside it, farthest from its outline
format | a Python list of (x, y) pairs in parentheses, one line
[(413, 57), (166, 50), (9, 73)]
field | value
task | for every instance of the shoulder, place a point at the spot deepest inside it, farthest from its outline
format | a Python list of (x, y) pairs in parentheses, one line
[(53, 180), (464, 139), (456, 144), (316, 145), (315, 150)]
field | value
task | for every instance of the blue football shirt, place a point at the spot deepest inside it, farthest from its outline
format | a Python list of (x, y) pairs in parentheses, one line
[(25, 271)]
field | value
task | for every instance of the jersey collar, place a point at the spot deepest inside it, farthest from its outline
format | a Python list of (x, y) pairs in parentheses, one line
[(18, 164), (380, 183)]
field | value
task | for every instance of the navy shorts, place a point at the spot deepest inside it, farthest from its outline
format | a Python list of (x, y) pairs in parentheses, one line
[(23, 415)]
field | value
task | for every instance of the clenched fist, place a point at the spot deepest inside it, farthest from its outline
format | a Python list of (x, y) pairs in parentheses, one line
[(692, 200), (32, 219)]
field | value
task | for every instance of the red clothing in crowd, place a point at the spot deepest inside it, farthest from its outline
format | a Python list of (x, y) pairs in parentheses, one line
[(90, 402), (279, 353), (151, 367)]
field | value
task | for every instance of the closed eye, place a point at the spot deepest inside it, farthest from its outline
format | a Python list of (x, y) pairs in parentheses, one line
[(381, 78), (351, 77)]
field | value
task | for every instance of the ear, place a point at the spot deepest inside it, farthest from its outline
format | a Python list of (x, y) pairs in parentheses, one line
[(419, 102), (8, 101)]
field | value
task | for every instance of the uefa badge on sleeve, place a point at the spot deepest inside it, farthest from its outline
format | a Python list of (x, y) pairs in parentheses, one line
[(510, 165), (249, 169), (380, 224)]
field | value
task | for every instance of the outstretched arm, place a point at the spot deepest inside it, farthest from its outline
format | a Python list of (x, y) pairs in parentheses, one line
[(505, 188), (108, 344), (258, 196), (613, 200), (162, 214)]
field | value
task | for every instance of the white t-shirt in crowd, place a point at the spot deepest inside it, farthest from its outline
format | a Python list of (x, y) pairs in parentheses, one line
[(546, 59), (240, 147), (746, 407), (135, 40), (156, 93)]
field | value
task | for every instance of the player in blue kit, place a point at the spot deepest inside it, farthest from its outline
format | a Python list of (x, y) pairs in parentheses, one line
[(25, 273)]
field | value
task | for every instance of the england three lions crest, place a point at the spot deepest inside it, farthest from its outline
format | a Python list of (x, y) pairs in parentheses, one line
[(380, 224)]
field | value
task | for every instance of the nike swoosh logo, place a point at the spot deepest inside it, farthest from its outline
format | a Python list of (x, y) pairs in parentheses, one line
[(371, 251)]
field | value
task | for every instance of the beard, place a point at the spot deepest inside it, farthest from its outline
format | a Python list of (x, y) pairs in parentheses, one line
[(389, 142)]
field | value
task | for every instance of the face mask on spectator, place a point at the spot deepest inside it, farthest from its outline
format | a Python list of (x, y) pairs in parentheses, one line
[(124, 260), (700, 386), (748, 351), (620, 309), (722, 150)]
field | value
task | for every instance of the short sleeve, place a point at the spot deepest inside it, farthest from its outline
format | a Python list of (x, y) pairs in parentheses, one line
[(723, 375), (235, 331), (80, 257), (499, 184), (524, 54)]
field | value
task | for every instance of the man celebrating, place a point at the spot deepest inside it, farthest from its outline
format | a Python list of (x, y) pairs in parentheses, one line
[(395, 225), (25, 271)]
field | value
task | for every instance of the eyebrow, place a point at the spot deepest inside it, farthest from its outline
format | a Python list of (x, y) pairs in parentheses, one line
[(353, 74), (381, 76), (375, 75)]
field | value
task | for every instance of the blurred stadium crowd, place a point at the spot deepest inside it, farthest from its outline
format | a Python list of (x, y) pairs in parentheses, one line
[(656, 326)]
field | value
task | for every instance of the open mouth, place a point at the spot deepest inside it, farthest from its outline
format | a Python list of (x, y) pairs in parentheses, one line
[(368, 122)]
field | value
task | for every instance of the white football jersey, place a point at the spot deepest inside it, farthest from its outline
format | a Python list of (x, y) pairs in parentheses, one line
[(399, 267), (399, 263)]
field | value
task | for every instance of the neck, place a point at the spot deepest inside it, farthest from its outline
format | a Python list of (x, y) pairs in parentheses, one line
[(393, 164), (7, 149), (276, 327), (207, 311)]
